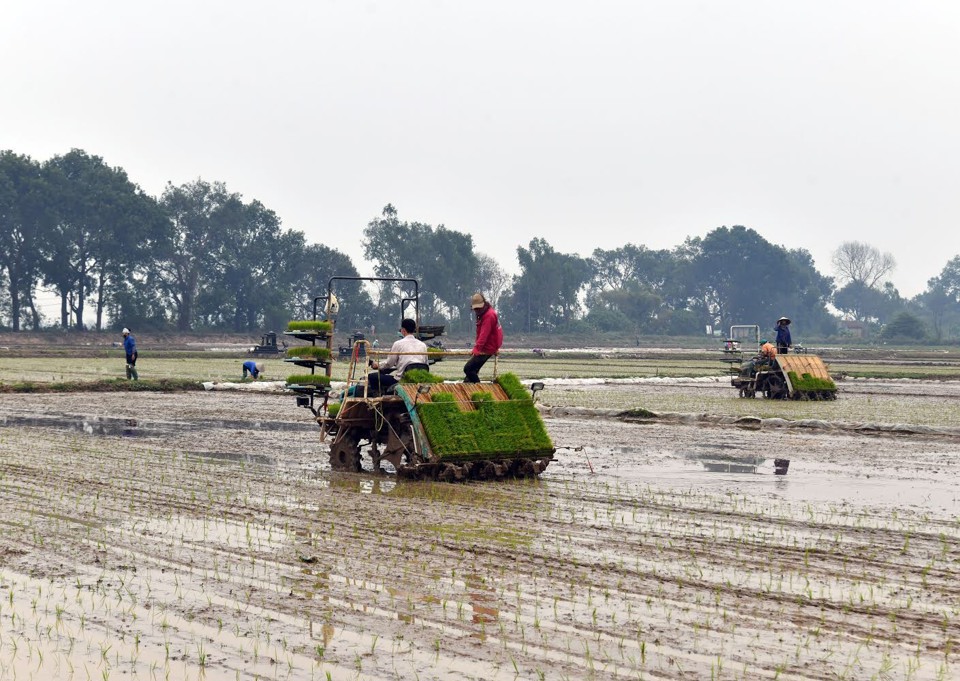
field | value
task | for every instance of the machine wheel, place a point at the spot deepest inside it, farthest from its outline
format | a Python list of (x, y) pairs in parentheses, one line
[(345, 451), (399, 446), (776, 388)]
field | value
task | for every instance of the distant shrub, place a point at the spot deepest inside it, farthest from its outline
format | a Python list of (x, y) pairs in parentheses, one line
[(638, 413)]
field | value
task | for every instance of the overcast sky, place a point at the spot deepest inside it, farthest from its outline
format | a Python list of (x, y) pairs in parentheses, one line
[(590, 124)]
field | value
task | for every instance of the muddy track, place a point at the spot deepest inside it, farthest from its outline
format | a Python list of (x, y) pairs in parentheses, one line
[(220, 546)]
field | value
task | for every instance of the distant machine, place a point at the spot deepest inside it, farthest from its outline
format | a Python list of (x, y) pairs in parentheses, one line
[(786, 377), (268, 345)]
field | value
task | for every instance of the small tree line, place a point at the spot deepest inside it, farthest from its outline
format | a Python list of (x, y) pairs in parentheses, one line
[(202, 257)]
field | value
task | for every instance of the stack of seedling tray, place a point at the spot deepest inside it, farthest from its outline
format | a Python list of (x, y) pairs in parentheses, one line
[(315, 385), (309, 356), (309, 330)]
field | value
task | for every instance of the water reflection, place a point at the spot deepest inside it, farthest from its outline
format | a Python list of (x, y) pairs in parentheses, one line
[(133, 427), (482, 599), (744, 464)]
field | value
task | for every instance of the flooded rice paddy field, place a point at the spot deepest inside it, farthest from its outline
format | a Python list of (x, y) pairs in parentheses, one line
[(202, 536)]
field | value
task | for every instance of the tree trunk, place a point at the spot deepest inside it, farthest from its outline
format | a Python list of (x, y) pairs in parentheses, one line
[(101, 285), (64, 319), (14, 303), (81, 297), (188, 291), (34, 315), (185, 312)]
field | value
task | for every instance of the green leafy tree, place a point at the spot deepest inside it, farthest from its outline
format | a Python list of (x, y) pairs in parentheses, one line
[(441, 260), (545, 295), (637, 282), (247, 252), (632, 265), (310, 268), (23, 217), (101, 222), (941, 301), (200, 213), (905, 327), (868, 304), (738, 277)]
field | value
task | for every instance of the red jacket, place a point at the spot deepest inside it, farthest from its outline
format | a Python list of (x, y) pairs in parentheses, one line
[(489, 332)]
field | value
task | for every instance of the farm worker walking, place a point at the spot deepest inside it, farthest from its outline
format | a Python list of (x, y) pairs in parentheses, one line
[(252, 368), (130, 348), (489, 338), (784, 343)]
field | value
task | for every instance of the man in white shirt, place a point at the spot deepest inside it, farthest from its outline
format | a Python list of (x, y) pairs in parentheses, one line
[(407, 353)]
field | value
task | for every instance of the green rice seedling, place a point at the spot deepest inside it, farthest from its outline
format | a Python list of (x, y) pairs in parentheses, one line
[(493, 427), (420, 376), (310, 352), (308, 379), (806, 382), (309, 325)]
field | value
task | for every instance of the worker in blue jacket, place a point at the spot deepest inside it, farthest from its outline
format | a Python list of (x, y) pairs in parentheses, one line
[(252, 368), (783, 335), (130, 348)]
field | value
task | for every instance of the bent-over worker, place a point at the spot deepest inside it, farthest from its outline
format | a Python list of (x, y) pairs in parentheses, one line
[(252, 368)]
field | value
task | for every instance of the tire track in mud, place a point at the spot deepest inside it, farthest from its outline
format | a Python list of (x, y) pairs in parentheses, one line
[(558, 576)]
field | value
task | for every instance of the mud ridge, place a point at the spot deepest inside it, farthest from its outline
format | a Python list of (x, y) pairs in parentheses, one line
[(753, 422)]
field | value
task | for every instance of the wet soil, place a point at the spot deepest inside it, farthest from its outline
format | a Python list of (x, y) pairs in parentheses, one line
[(202, 535)]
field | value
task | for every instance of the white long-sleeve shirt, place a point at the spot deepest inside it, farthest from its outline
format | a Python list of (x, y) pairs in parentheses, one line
[(407, 344)]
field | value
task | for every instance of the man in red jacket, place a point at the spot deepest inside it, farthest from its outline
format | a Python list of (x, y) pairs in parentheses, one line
[(489, 338)]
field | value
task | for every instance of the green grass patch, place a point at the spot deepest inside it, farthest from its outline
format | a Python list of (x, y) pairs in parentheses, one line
[(498, 429), (309, 352), (308, 379), (808, 383), (476, 533), (309, 325), (166, 385)]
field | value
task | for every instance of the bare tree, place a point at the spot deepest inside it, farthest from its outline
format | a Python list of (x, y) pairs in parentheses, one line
[(492, 279), (857, 262)]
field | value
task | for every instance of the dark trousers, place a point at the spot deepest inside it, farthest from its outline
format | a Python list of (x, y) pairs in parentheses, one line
[(132, 368), (378, 381), (471, 369), (783, 349)]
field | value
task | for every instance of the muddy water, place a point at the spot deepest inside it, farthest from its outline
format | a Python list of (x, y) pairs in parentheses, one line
[(203, 536)]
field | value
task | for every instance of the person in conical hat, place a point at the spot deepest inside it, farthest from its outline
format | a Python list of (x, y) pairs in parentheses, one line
[(784, 342)]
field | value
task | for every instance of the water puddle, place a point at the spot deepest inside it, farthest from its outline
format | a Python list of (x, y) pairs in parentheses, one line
[(133, 427)]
